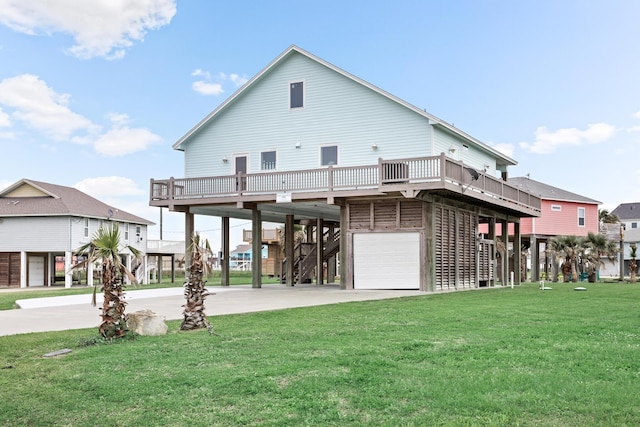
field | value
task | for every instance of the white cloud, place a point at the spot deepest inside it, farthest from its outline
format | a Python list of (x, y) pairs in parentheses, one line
[(103, 28), (506, 149), (5, 121), (206, 88), (547, 141), (121, 140), (637, 115), (37, 105), (238, 80), (40, 107), (634, 129), (109, 186), (199, 73)]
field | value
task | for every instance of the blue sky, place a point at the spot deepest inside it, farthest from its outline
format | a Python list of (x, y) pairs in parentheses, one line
[(94, 94)]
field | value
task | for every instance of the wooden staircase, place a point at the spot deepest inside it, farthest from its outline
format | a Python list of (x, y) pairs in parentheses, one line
[(305, 256)]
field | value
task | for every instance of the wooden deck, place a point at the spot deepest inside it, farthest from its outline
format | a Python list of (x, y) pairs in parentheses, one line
[(438, 175)]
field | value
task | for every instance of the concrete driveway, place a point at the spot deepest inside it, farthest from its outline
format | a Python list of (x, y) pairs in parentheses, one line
[(76, 312)]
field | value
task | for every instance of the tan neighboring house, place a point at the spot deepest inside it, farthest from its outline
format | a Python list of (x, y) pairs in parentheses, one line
[(42, 224)]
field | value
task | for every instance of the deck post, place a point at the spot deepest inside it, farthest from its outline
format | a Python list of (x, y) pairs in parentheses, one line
[(224, 262), (331, 262), (256, 247), (504, 226), (517, 252), (288, 248), (189, 227), (344, 251), (319, 251)]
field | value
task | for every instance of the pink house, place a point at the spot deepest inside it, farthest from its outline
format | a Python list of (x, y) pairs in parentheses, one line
[(562, 213)]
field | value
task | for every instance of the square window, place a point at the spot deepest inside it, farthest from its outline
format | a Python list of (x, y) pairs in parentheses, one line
[(296, 95), (634, 225), (329, 155), (268, 160)]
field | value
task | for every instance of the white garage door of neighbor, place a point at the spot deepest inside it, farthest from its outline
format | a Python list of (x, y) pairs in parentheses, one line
[(386, 260), (36, 271)]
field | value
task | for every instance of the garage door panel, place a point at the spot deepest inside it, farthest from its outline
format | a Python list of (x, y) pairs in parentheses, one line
[(386, 260)]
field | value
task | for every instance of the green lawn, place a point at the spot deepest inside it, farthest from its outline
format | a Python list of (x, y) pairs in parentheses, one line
[(495, 357)]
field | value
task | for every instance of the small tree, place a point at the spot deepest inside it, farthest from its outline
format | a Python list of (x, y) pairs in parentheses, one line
[(104, 248), (594, 247), (195, 292), (633, 266)]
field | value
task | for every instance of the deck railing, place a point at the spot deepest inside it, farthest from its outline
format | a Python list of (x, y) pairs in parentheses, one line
[(414, 171)]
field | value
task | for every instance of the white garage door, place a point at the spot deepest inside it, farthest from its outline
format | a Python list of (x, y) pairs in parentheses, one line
[(386, 260), (36, 271)]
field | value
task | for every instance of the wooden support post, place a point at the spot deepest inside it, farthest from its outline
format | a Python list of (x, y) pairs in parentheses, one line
[(504, 225), (189, 229), (331, 262), (289, 242), (319, 251), (344, 283), (224, 262), (256, 247), (534, 247), (517, 252)]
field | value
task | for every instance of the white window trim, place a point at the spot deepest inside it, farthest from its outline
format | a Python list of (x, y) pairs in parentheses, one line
[(556, 208), (337, 154), (268, 151), (584, 216), (304, 94)]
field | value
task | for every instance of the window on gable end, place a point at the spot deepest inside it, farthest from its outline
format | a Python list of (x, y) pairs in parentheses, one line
[(296, 95), (86, 227), (268, 160)]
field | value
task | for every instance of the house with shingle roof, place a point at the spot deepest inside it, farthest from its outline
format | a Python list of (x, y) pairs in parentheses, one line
[(629, 217), (42, 224), (562, 213)]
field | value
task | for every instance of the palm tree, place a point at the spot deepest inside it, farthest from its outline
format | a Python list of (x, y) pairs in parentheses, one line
[(633, 266), (606, 217), (595, 246), (104, 248), (570, 246), (554, 249), (195, 292)]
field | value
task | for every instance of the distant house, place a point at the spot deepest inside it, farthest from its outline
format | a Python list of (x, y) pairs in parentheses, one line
[(42, 224), (629, 217), (562, 213), (397, 193), (240, 258)]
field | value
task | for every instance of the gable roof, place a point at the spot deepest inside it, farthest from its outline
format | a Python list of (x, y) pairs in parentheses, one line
[(549, 192), (433, 120), (34, 198), (627, 211)]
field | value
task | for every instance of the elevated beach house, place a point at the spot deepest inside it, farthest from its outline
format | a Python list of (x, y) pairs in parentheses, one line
[(42, 224), (394, 193)]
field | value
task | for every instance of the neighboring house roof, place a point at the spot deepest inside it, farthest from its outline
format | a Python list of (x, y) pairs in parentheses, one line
[(34, 198), (549, 192), (627, 211), (241, 249), (501, 158)]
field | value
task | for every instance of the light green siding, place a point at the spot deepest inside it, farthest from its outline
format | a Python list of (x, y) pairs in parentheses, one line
[(338, 111)]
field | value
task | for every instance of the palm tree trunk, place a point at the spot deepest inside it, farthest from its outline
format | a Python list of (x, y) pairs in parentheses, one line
[(113, 323)]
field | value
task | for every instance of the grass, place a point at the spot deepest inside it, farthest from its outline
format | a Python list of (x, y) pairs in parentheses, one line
[(8, 298), (495, 357)]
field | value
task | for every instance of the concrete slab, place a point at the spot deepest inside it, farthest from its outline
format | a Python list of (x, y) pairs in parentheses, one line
[(231, 300)]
